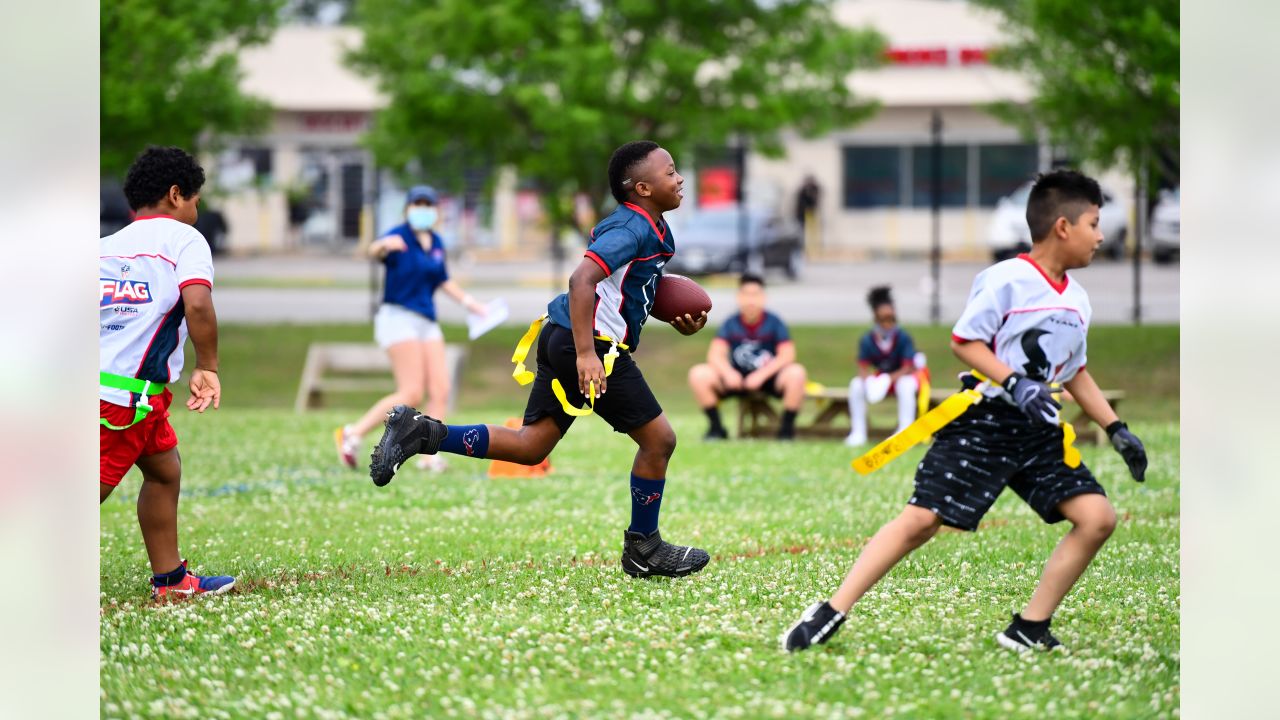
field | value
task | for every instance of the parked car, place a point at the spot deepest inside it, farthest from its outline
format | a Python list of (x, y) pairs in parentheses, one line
[(113, 208), (1166, 221), (114, 214), (708, 243), (1009, 234)]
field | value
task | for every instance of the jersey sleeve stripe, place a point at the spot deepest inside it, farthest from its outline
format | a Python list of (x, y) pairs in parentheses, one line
[(958, 339), (599, 261), (195, 281)]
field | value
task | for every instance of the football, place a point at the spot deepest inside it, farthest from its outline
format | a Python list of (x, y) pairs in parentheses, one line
[(678, 295)]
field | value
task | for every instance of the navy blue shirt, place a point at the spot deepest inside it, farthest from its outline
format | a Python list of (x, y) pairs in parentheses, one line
[(631, 248), (414, 274), (886, 354), (753, 346)]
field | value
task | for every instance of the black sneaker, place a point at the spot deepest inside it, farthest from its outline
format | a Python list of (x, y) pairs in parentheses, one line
[(643, 556), (814, 627), (714, 434), (1023, 635), (407, 433)]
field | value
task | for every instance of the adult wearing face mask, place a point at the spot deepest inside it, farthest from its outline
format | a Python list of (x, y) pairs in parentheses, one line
[(405, 324), (887, 363)]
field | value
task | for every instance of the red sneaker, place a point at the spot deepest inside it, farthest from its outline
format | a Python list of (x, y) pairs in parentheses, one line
[(192, 585)]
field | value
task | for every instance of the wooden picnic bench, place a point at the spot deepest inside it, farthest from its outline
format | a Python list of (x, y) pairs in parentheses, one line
[(758, 416), (358, 367)]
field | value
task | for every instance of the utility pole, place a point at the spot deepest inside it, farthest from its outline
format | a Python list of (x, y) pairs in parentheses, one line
[(935, 197), (744, 251), (1139, 231)]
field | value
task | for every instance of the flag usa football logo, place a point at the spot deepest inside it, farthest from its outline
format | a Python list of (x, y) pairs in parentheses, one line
[(124, 292)]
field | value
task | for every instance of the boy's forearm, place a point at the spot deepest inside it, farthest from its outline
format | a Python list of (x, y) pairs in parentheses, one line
[(978, 356), (202, 326), (582, 293), (1089, 397)]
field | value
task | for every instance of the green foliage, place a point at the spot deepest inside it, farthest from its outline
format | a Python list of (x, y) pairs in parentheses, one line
[(551, 87), (1106, 76), (453, 595), (169, 73)]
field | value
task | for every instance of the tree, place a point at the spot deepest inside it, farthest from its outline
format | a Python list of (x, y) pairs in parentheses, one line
[(169, 74), (1106, 77), (551, 87)]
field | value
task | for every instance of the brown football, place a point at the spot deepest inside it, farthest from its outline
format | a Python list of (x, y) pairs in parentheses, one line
[(678, 295)]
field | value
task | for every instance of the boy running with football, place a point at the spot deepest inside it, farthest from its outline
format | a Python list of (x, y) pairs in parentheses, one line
[(595, 325), (1024, 327)]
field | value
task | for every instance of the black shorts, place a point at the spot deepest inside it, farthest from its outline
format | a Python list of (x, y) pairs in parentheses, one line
[(769, 387), (993, 444), (628, 404)]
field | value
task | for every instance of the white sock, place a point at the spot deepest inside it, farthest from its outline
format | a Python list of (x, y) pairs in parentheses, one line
[(906, 388)]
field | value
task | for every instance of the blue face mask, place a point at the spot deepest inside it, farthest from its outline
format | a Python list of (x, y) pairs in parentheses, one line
[(422, 218)]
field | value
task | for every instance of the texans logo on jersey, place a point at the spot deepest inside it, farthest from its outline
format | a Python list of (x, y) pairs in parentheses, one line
[(644, 498), (124, 292), (1038, 365)]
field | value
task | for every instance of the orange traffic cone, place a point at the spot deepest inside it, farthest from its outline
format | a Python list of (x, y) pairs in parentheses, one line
[(502, 468)]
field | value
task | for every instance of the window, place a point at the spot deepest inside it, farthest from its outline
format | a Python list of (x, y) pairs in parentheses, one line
[(872, 176), (1003, 168), (955, 175)]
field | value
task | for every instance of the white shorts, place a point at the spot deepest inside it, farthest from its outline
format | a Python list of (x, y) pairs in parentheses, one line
[(395, 324)]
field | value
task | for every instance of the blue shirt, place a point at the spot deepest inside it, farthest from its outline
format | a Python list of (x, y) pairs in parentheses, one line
[(887, 354), (753, 346), (631, 248), (414, 274)]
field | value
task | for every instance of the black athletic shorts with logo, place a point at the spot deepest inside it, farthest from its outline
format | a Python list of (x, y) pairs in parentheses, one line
[(993, 445), (627, 404)]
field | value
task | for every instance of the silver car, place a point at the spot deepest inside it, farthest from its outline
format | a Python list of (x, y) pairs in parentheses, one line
[(1009, 234), (1166, 227), (707, 243)]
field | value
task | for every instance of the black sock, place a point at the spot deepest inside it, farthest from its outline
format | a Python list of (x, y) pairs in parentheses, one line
[(1034, 624), (713, 417), (173, 577), (788, 426)]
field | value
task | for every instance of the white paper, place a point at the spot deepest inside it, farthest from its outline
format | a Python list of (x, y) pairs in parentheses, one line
[(497, 313)]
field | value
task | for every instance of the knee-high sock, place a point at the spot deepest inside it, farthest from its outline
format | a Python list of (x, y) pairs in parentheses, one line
[(906, 388), (646, 501), (468, 440), (858, 406)]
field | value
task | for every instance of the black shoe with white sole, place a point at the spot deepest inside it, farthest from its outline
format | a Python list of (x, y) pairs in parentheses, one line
[(1023, 635), (407, 432), (645, 555), (814, 627)]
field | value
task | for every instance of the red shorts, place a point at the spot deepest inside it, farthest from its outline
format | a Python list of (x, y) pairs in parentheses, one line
[(118, 450)]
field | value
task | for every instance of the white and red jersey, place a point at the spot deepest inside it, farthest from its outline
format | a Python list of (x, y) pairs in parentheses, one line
[(1034, 325), (142, 325)]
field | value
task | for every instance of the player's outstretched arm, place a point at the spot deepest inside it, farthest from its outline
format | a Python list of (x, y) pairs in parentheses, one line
[(1084, 389), (1086, 392), (202, 325), (582, 297)]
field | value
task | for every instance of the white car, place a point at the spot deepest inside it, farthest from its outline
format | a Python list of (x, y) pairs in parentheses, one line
[(1166, 222), (1010, 235)]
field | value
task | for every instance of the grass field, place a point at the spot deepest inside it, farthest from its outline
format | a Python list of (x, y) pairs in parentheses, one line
[(458, 596), (261, 364)]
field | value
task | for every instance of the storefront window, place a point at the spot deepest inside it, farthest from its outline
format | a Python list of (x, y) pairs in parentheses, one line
[(872, 176), (955, 174), (1002, 168)]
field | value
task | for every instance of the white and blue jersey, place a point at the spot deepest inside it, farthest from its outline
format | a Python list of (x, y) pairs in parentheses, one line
[(631, 248)]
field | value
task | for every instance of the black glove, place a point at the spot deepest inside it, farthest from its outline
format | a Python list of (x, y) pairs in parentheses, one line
[(1130, 448), (1033, 397)]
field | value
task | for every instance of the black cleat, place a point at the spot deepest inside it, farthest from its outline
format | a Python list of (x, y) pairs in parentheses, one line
[(715, 434), (1023, 635), (407, 433), (644, 556), (814, 627)]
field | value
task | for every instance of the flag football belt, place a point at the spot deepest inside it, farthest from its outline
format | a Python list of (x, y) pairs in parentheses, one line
[(524, 376), (937, 418), (143, 388)]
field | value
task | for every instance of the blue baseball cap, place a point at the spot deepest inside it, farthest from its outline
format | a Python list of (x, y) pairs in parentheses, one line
[(418, 193)]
